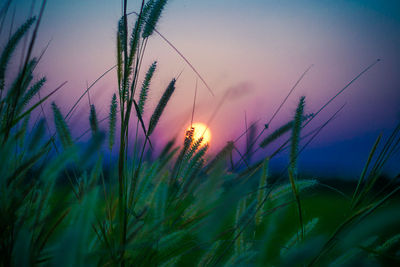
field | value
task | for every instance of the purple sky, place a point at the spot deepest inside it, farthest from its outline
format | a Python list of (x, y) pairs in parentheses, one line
[(256, 48)]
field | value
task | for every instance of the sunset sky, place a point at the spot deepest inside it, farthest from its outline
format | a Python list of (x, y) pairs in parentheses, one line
[(257, 49)]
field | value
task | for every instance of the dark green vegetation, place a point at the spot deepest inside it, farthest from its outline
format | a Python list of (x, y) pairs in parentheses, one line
[(183, 208)]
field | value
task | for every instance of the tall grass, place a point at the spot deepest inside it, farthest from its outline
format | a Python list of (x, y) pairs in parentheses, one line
[(61, 204)]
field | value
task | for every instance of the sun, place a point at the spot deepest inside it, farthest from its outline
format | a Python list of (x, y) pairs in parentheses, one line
[(201, 130)]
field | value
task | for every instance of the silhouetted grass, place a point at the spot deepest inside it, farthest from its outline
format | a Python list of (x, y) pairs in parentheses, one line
[(64, 204)]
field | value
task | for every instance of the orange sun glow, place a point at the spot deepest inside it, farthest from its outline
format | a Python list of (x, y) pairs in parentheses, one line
[(201, 130)]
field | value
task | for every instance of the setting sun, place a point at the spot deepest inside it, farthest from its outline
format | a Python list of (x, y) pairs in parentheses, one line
[(201, 130)]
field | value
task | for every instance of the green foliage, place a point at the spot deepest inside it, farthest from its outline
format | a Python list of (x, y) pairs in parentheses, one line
[(240, 215), (295, 238), (210, 253), (61, 127), (367, 181), (281, 191), (68, 208)]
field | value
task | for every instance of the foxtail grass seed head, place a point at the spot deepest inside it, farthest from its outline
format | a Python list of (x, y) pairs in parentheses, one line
[(10, 48), (153, 18), (61, 127), (112, 121), (161, 106), (94, 124), (298, 119), (145, 86)]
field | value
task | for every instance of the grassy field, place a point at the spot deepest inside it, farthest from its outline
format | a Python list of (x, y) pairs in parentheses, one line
[(67, 205)]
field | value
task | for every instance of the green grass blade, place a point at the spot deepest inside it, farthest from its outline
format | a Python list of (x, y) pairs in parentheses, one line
[(364, 171), (262, 191)]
